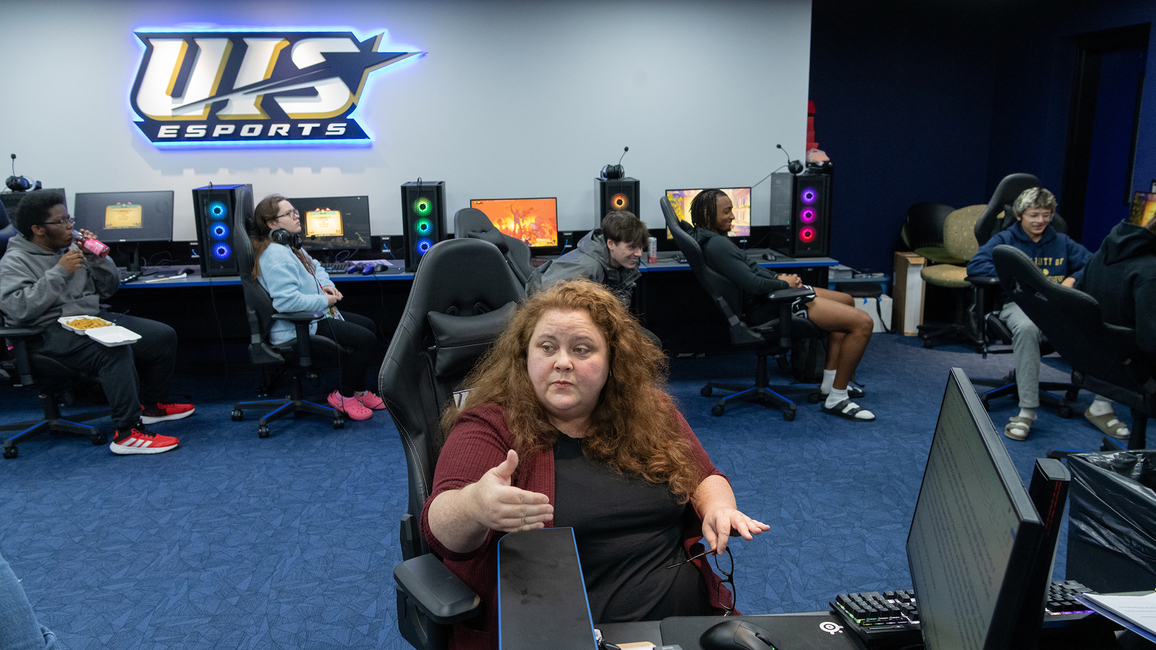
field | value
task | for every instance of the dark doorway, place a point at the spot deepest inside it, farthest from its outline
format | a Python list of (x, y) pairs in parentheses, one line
[(1102, 129)]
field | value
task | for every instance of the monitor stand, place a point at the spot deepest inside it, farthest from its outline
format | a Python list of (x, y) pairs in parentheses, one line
[(134, 264)]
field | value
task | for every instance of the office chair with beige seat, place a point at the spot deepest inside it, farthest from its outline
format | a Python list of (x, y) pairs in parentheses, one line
[(958, 243)]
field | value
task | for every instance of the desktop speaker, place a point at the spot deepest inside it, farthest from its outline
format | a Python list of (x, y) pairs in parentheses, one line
[(616, 194), (801, 214), (423, 210), (215, 208)]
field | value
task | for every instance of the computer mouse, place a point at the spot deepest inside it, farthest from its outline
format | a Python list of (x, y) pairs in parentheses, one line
[(368, 270), (769, 256), (380, 268), (736, 635)]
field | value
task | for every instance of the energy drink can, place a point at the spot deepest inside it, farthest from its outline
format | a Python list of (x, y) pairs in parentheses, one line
[(653, 256)]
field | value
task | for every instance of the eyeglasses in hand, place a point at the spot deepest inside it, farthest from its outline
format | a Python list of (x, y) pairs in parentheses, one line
[(725, 566)]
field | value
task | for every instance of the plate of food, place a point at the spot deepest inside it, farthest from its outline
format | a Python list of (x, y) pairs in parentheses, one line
[(81, 323), (112, 335)]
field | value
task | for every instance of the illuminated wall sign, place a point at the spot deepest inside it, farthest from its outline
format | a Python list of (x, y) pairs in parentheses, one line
[(237, 87)]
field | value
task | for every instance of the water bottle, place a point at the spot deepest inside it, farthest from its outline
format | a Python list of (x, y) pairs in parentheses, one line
[(92, 245)]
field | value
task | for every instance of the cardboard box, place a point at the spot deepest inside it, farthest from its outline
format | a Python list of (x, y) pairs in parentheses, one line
[(907, 311), (880, 310)]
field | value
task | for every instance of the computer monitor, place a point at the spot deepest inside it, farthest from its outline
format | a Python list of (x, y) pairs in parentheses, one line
[(125, 216), (534, 221), (1143, 208), (975, 535), (740, 199), (13, 199), (334, 223)]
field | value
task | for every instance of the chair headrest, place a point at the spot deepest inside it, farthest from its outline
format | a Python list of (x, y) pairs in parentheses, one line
[(461, 340)]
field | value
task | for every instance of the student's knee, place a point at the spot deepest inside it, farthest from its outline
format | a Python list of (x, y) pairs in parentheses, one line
[(861, 323)]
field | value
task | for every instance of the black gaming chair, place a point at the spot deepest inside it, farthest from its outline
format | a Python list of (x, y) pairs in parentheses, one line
[(1104, 358), (461, 299), (473, 223), (773, 338), (50, 378), (995, 335), (294, 358)]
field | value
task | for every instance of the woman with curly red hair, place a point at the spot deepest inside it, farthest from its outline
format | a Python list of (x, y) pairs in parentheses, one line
[(567, 424)]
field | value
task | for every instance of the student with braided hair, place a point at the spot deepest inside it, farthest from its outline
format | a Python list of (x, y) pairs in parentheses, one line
[(850, 329)]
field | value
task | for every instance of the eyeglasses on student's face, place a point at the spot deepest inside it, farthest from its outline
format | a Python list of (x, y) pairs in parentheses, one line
[(66, 222), (291, 213), (725, 566)]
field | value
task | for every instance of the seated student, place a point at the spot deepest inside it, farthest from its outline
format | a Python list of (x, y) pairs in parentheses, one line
[(296, 282), (43, 277), (1122, 277), (608, 255), (850, 329), (1062, 260), (567, 424)]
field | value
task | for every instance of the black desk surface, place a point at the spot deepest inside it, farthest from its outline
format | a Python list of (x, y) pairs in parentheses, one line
[(800, 631)]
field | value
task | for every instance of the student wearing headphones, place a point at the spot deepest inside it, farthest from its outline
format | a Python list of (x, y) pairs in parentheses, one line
[(296, 282)]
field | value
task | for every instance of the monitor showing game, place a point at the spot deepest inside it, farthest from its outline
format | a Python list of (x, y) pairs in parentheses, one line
[(534, 221), (740, 199), (975, 534), (125, 216), (334, 223), (1143, 208)]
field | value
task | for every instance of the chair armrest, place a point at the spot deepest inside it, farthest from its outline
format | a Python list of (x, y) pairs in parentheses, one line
[(299, 316), (983, 280), (436, 591), (301, 320), (791, 294), (19, 332)]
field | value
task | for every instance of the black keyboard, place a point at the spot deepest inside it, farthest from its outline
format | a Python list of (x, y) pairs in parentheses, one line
[(335, 267), (128, 276), (891, 619), (538, 261)]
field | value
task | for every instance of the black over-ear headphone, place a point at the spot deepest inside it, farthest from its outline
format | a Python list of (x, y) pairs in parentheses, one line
[(285, 238)]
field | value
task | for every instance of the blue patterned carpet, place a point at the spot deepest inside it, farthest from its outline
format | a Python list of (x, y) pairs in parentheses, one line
[(289, 542)]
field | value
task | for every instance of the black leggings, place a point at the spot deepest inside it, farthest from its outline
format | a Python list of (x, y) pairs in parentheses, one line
[(356, 333)]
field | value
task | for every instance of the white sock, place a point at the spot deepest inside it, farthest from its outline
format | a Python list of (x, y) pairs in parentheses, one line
[(1028, 413), (835, 396), (828, 381), (1100, 406)]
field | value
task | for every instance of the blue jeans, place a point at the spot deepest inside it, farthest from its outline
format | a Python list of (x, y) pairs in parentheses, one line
[(19, 629)]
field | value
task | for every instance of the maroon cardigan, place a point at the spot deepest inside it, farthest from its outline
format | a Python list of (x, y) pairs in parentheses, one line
[(478, 443)]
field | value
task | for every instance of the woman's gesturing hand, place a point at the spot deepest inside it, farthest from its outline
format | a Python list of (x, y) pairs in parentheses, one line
[(501, 506)]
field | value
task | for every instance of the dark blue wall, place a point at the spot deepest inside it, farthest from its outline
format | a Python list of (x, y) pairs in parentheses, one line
[(915, 103)]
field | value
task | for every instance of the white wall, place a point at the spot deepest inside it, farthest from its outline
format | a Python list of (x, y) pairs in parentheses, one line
[(514, 98)]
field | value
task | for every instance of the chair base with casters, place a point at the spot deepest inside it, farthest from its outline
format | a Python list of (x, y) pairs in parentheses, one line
[(1008, 386), (263, 355), (761, 392), (53, 423), (294, 405)]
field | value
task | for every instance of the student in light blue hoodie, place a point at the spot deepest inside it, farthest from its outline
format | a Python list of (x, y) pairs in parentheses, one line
[(1061, 259), (296, 282)]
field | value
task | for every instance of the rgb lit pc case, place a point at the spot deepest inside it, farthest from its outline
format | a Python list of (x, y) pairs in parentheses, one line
[(214, 207)]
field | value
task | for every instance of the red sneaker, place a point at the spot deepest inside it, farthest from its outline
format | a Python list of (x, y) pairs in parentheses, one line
[(161, 412), (349, 406), (139, 440), (371, 401)]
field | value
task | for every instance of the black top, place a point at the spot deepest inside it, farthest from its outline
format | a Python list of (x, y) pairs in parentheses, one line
[(754, 281), (628, 531)]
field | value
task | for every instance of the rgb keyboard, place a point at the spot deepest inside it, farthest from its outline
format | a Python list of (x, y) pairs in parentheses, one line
[(891, 619)]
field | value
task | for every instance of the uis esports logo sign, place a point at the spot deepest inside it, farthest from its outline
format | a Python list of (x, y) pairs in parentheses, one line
[(238, 87)]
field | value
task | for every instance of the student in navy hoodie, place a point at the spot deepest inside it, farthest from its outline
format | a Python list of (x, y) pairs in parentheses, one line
[(1062, 260)]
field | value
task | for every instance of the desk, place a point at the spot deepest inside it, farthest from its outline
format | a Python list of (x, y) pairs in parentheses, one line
[(668, 300), (824, 631)]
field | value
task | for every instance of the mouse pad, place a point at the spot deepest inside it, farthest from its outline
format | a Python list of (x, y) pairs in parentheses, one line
[(804, 631)]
